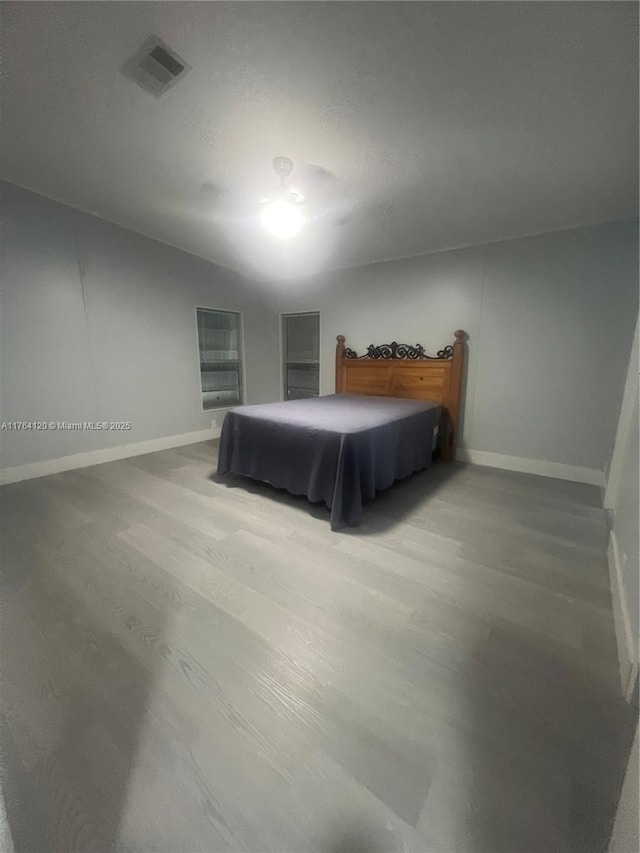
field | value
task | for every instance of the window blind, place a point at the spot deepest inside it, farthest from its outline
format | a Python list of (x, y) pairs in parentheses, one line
[(219, 343), (301, 355)]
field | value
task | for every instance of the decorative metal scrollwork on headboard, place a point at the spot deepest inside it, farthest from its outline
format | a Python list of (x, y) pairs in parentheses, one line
[(396, 350)]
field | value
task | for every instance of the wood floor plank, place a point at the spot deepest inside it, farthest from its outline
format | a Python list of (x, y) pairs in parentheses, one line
[(195, 663)]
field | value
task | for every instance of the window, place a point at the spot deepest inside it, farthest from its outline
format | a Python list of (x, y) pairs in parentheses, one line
[(301, 355), (220, 343)]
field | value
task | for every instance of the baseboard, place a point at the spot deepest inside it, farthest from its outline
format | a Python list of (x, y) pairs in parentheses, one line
[(624, 634), (106, 454), (556, 470)]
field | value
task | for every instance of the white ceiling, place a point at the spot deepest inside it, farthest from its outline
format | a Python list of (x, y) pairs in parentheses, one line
[(446, 124)]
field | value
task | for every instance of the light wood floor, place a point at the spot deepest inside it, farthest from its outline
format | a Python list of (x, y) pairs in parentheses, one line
[(197, 665)]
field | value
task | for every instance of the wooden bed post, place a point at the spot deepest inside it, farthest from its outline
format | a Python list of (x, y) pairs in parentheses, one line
[(452, 399), (339, 359)]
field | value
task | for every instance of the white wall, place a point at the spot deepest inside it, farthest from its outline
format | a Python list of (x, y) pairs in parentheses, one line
[(626, 518), (550, 320), (99, 324), (625, 835), (624, 428), (621, 497)]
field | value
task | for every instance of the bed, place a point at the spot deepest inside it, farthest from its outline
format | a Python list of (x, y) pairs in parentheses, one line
[(342, 448)]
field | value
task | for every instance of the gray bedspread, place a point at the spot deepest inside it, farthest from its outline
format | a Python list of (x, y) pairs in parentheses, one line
[(339, 449)]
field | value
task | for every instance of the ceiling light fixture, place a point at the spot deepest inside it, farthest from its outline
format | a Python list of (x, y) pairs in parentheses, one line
[(282, 219), (282, 216)]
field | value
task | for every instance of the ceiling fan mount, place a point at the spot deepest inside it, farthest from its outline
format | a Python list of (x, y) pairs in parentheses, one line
[(317, 194), (282, 166)]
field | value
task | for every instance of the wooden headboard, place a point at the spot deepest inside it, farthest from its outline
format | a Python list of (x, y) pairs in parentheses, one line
[(401, 370)]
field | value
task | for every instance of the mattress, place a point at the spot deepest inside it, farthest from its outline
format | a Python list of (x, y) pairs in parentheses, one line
[(338, 449)]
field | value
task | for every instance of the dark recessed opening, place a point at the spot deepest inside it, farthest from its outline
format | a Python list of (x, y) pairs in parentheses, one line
[(167, 61)]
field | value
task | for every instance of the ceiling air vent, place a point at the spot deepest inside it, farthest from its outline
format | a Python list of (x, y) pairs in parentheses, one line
[(155, 67)]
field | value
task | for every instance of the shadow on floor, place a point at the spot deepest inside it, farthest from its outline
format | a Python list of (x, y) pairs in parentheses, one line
[(530, 757), (541, 755), (388, 509), (75, 698), (351, 838)]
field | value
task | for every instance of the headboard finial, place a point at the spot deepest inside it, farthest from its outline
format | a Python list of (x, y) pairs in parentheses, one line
[(459, 335), (340, 338)]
